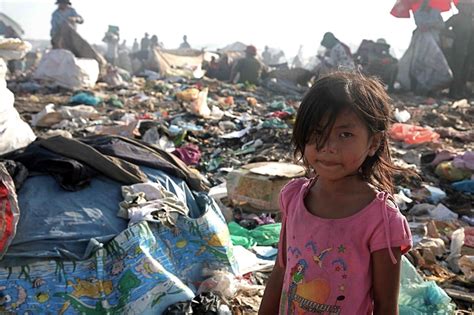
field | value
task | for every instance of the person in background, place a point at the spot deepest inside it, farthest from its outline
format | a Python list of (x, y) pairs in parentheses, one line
[(154, 43), (462, 52), (64, 14), (429, 20), (338, 56), (211, 68), (185, 44), (145, 43), (298, 60), (224, 67), (374, 58), (249, 68), (112, 39), (123, 45), (136, 46), (267, 56), (429, 71)]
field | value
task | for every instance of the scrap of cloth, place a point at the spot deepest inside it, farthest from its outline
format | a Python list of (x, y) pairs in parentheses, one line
[(151, 202), (74, 164), (141, 153)]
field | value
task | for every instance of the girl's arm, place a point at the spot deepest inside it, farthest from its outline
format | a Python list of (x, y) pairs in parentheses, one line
[(386, 281), (271, 298)]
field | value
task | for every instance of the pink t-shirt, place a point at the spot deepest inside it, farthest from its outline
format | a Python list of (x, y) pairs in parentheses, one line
[(328, 268)]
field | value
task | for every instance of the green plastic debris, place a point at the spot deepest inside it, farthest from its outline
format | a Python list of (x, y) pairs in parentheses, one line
[(275, 123), (85, 98), (263, 235), (214, 164), (115, 102), (277, 105)]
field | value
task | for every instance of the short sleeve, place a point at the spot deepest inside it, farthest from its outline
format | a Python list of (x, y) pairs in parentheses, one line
[(287, 194), (398, 230)]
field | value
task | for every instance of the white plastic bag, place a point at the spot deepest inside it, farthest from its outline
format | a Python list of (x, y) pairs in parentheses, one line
[(61, 67), (14, 132)]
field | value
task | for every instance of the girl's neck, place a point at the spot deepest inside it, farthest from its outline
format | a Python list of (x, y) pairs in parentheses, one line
[(348, 184)]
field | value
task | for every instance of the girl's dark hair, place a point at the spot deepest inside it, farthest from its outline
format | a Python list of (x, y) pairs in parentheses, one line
[(367, 98)]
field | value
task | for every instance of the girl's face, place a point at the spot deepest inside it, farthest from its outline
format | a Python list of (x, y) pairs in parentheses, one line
[(345, 150)]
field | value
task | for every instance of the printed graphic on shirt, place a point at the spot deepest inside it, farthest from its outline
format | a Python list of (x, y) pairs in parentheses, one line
[(306, 294)]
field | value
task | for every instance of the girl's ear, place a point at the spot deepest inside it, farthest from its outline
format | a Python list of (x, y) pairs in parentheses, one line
[(375, 143)]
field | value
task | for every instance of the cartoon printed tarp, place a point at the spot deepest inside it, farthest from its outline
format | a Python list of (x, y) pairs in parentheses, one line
[(143, 270)]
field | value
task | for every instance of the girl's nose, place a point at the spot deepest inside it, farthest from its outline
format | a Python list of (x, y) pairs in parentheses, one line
[(329, 147)]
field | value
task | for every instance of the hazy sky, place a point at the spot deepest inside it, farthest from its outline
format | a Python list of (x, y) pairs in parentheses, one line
[(211, 23)]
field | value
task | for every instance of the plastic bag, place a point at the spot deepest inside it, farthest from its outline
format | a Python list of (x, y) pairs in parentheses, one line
[(402, 116), (457, 241), (199, 106), (466, 264), (240, 236), (267, 235), (10, 210), (412, 134), (85, 98), (448, 171), (466, 186), (15, 133), (417, 297), (188, 95), (263, 235), (60, 66)]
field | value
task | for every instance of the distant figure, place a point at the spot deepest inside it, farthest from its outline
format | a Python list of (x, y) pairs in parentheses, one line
[(136, 46), (154, 43), (298, 61), (462, 52), (374, 58), (423, 68), (112, 39), (267, 56), (339, 55), (145, 43), (64, 14), (212, 68), (123, 45), (249, 68), (185, 44), (429, 20), (224, 68)]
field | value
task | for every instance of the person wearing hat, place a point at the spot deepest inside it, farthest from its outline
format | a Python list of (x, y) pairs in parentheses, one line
[(249, 67), (338, 54), (64, 14)]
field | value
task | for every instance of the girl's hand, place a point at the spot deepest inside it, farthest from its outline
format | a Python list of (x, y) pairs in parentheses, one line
[(386, 281)]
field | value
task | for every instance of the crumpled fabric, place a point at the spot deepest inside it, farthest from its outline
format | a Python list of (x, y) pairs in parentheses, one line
[(465, 161), (151, 202), (17, 171), (207, 303), (189, 154), (180, 308)]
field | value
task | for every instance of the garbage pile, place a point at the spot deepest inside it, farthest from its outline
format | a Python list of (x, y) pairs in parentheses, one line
[(230, 132)]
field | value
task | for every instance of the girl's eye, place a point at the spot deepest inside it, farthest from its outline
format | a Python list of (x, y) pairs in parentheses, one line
[(346, 135)]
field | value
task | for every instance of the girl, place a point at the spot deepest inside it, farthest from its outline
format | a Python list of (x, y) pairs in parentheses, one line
[(342, 237)]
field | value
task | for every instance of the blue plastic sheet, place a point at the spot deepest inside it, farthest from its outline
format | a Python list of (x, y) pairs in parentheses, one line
[(142, 270)]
